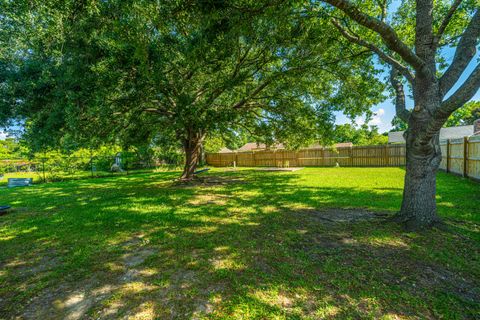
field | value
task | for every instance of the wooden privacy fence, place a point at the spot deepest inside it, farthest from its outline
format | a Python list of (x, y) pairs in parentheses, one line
[(358, 156), (460, 156)]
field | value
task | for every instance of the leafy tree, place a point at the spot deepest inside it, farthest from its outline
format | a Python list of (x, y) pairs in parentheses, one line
[(144, 71), (362, 136), (12, 149), (398, 124), (411, 43), (465, 115)]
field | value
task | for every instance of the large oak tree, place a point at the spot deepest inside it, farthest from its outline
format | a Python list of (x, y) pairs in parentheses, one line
[(134, 70), (412, 42)]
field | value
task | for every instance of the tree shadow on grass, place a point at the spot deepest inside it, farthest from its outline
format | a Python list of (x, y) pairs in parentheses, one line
[(253, 248)]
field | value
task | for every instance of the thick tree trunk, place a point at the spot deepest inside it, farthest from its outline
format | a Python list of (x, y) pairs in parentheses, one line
[(419, 209), (192, 147)]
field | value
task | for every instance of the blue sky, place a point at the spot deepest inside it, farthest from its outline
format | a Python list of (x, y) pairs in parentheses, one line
[(385, 111)]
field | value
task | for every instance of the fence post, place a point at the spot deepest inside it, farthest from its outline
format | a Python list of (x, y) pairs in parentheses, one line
[(350, 155), (448, 156), (386, 156), (322, 156), (465, 157)]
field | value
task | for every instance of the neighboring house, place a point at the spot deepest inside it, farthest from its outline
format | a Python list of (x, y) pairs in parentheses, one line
[(336, 145), (225, 150), (254, 146), (445, 133), (343, 145)]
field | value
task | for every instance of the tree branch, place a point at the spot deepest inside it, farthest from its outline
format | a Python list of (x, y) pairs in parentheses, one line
[(387, 33), (253, 94), (464, 93), (446, 21), (458, 99), (424, 38), (383, 7), (385, 57), (463, 55), (400, 107)]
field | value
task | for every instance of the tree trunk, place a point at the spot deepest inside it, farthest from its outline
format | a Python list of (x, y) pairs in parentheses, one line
[(419, 209), (192, 148)]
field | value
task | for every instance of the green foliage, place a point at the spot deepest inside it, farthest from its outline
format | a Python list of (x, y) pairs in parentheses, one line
[(56, 163), (213, 144), (12, 149), (361, 136), (135, 72), (230, 139), (465, 115), (398, 124)]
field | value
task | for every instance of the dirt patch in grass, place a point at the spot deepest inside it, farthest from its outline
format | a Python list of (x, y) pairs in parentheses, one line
[(131, 290), (74, 299), (337, 240), (436, 277)]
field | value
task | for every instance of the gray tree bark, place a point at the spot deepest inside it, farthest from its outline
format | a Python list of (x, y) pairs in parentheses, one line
[(430, 111), (192, 144), (419, 209)]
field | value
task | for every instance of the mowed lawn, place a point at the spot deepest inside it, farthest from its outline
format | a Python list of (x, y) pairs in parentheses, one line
[(311, 244)]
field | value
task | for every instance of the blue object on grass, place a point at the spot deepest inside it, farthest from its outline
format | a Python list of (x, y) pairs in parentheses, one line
[(4, 208), (19, 182), (201, 171)]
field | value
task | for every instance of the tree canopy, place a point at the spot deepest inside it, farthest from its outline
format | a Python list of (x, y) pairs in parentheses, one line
[(363, 135), (130, 71)]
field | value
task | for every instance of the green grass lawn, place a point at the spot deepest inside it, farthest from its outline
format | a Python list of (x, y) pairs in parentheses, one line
[(243, 245)]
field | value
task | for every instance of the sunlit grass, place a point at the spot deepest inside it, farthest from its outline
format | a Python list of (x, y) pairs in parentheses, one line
[(244, 244)]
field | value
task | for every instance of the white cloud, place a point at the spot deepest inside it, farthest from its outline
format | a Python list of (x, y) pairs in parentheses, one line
[(359, 121), (3, 135), (377, 118), (375, 121)]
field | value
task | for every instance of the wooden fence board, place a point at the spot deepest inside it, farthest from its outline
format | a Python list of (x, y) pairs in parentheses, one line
[(473, 162)]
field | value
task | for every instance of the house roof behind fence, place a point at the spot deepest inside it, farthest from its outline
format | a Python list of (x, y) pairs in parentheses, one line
[(254, 146), (445, 133), (225, 150), (251, 146)]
